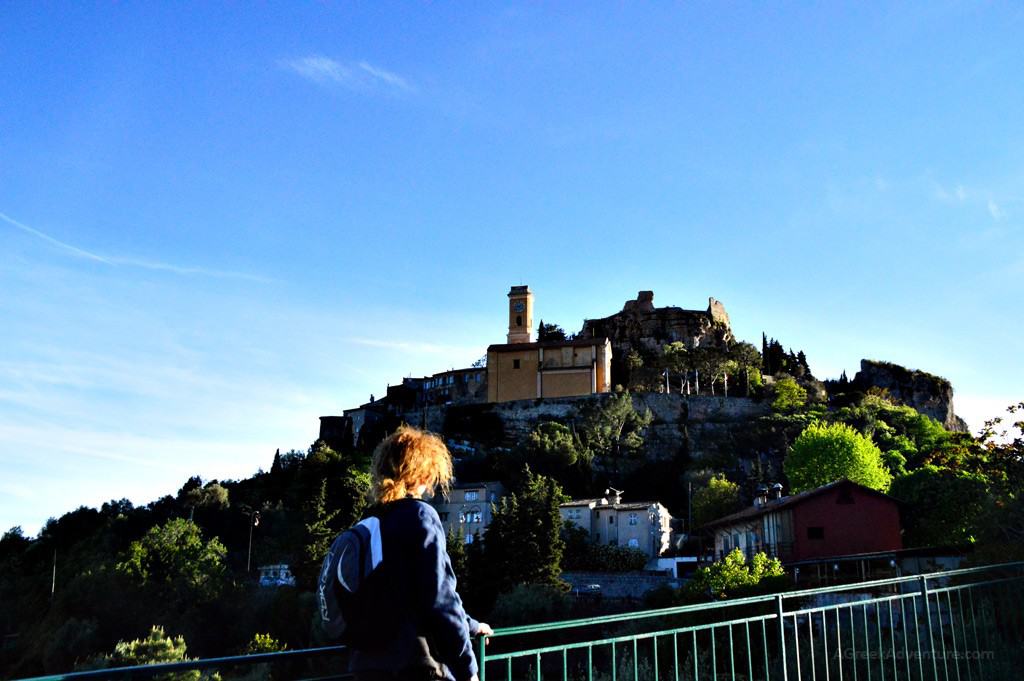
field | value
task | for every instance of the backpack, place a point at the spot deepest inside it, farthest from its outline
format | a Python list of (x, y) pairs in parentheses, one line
[(343, 592)]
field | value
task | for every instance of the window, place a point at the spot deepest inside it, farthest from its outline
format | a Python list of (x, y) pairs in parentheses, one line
[(815, 532), (462, 517), (474, 515), (472, 495), (634, 543), (633, 519), (469, 539), (519, 320), (515, 364), (736, 539), (611, 520), (725, 543)]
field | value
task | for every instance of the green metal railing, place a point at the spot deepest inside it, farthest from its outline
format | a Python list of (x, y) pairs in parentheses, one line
[(961, 625), (958, 625)]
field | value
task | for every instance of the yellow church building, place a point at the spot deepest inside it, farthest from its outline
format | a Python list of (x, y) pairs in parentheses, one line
[(524, 369)]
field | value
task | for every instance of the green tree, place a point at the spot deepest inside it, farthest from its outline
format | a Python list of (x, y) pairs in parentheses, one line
[(612, 430), (174, 559), (947, 506), (156, 648), (824, 453), (523, 544), (677, 360), (788, 396), (748, 359), (554, 446), (720, 498), (732, 574), (319, 535), (707, 361), (634, 361), (725, 367)]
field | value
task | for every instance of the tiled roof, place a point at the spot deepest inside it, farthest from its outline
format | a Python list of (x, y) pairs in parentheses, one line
[(787, 502), (577, 343), (627, 506)]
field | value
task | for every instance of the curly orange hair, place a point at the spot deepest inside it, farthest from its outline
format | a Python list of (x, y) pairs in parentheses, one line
[(406, 459)]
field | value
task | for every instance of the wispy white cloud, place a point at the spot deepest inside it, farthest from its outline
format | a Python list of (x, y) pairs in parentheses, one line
[(117, 261), (414, 347), (387, 76), (970, 197), (74, 250), (995, 211), (359, 75)]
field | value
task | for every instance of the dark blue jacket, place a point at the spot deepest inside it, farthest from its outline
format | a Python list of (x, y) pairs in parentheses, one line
[(428, 629)]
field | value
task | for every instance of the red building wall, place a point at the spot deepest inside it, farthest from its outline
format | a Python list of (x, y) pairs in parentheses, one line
[(870, 523)]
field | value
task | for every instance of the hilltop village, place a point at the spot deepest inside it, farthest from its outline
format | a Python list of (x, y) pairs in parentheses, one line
[(697, 403), (651, 458)]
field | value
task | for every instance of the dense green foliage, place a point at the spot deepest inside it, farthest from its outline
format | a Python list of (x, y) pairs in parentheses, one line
[(825, 453), (719, 498), (174, 560), (179, 562), (788, 396), (733, 575), (157, 647), (524, 543), (584, 555)]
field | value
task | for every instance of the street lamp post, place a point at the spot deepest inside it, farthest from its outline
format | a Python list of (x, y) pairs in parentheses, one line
[(254, 520)]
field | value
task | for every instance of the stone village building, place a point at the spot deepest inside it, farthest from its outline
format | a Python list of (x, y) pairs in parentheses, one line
[(642, 525), (467, 509)]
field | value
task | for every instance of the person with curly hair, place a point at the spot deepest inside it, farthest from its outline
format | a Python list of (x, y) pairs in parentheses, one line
[(427, 632)]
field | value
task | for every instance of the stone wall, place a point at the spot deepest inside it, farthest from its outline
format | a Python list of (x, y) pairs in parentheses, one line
[(620, 584), (679, 422)]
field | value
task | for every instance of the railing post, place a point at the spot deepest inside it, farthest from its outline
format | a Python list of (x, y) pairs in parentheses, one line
[(782, 635), (481, 657), (928, 618)]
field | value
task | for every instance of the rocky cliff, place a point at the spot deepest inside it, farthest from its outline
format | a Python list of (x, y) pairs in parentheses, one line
[(929, 394), (645, 328)]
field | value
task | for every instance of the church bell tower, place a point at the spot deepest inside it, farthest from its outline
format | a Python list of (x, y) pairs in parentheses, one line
[(520, 315)]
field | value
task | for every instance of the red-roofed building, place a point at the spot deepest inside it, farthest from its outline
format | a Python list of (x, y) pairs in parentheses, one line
[(837, 519)]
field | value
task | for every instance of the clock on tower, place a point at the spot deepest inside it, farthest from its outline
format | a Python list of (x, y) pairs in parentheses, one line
[(520, 315)]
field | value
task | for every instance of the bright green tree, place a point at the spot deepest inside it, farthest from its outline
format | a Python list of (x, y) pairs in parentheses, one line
[(733, 574), (788, 395), (156, 648), (824, 453), (174, 558), (720, 498)]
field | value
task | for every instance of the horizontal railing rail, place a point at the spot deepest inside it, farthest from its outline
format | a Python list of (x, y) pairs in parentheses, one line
[(962, 624)]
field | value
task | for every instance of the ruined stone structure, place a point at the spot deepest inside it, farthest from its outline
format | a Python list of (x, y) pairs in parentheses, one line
[(645, 328), (929, 394)]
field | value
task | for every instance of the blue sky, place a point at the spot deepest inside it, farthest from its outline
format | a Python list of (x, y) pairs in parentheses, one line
[(219, 221)]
